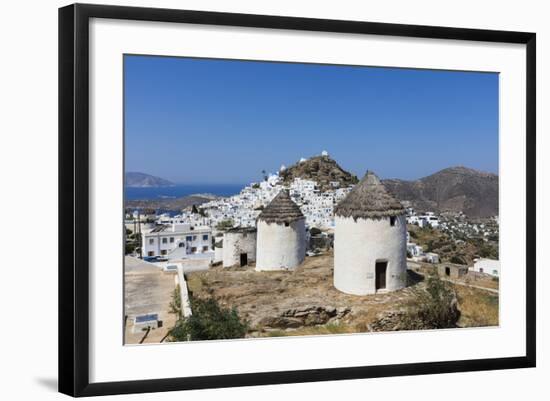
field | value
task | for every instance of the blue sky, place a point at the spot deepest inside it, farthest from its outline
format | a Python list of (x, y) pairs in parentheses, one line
[(217, 121)]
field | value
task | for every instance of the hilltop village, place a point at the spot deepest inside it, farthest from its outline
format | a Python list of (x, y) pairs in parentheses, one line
[(353, 239)]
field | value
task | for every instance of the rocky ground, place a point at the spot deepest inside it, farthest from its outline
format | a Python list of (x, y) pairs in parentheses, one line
[(301, 302)]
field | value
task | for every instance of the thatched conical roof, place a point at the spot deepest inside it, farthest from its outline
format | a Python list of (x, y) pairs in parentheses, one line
[(369, 199), (281, 210)]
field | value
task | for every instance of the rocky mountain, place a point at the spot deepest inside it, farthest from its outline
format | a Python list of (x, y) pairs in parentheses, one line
[(322, 169), (453, 189), (133, 179)]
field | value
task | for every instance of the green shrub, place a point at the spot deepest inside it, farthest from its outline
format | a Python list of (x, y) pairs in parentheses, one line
[(457, 260), (434, 307), (209, 321), (314, 231), (175, 304), (225, 224), (129, 248)]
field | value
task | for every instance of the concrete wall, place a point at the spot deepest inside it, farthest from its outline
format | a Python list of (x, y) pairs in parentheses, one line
[(235, 243), (218, 254), (280, 247), (358, 245), (454, 271), (184, 293), (487, 266)]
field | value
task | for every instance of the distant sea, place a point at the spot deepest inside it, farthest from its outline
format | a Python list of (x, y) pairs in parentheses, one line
[(181, 190)]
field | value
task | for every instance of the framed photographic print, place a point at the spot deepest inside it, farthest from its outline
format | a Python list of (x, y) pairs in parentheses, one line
[(250, 199)]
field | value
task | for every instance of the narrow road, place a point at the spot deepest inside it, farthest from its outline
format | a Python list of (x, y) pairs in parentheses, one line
[(471, 286)]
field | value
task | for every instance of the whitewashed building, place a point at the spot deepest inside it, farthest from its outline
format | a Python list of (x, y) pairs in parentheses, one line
[(281, 236), (414, 249), (239, 246), (429, 219), (431, 257), (164, 239), (370, 240), (487, 266)]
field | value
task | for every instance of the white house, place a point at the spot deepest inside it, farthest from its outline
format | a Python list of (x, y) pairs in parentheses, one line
[(429, 219), (488, 266), (414, 249), (164, 239), (370, 240), (431, 257), (239, 246)]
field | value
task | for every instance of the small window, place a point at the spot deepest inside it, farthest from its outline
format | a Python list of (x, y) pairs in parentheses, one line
[(165, 240), (194, 249), (205, 237), (204, 248), (189, 238), (163, 252), (171, 240), (151, 241), (194, 237), (392, 221), (150, 253)]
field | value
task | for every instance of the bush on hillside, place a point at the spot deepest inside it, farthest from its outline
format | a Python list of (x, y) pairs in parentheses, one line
[(209, 321), (434, 307)]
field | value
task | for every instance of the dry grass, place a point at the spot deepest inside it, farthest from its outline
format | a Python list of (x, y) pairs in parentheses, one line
[(478, 308), (258, 295)]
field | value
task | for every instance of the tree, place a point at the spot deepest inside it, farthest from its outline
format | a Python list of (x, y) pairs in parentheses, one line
[(314, 231), (209, 321), (130, 248), (225, 224), (457, 259)]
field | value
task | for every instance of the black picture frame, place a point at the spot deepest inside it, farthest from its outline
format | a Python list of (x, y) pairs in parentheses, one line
[(74, 191)]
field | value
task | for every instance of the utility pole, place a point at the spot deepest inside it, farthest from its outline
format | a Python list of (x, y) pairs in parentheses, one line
[(139, 229)]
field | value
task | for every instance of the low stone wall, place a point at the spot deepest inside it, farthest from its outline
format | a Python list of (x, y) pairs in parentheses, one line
[(184, 294)]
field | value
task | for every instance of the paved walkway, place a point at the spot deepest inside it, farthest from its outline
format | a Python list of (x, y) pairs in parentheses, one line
[(147, 289)]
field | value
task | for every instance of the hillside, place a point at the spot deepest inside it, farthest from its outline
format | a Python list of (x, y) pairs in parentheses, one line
[(141, 180), (321, 169), (177, 204), (453, 189)]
